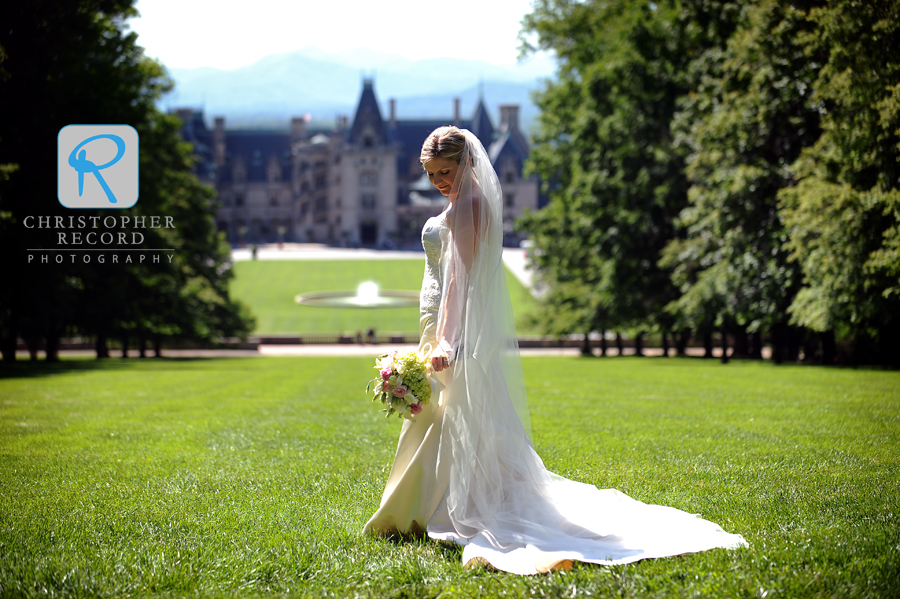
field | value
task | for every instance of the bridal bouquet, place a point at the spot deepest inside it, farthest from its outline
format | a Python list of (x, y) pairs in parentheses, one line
[(404, 383)]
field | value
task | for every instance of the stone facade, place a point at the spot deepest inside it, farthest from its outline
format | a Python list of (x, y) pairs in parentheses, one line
[(357, 184)]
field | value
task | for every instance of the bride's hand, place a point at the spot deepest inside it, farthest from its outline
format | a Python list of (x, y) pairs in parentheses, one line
[(440, 362), (440, 359)]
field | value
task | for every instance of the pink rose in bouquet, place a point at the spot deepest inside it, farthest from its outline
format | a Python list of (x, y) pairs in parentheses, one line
[(386, 374), (399, 391), (415, 408)]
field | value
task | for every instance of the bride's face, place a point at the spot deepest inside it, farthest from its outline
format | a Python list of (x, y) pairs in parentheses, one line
[(442, 173)]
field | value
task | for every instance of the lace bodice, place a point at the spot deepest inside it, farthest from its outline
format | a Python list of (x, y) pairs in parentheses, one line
[(434, 233)]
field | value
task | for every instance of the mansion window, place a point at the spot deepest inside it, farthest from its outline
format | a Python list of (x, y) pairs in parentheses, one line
[(509, 200), (321, 204), (321, 182), (510, 170), (368, 200), (239, 200), (368, 178), (273, 200)]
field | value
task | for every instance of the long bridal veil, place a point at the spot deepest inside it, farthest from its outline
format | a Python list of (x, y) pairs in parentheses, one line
[(502, 503)]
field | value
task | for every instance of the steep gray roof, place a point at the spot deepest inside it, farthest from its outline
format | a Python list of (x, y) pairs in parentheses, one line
[(368, 127), (257, 148), (481, 124)]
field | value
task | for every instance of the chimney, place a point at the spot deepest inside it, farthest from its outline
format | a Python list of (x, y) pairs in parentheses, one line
[(456, 111), (393, 121), (298, 129), (219, 140), (509, 117)]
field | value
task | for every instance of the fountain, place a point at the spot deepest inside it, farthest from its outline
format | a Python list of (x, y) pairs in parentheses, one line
[(367, 295)]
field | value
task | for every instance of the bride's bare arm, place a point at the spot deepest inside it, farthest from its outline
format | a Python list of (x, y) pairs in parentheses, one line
[(465, 240)]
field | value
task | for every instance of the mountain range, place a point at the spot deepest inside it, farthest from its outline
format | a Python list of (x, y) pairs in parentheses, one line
[(267, 93)]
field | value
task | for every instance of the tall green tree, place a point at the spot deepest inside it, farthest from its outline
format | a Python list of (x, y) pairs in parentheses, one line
[(747, 119), (75, 62), (843, 213), (605, 146)]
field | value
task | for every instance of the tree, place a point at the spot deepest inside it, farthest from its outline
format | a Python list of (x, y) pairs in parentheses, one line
[(749, 116), (73, 62), (844, 211), (603, 138), (604, 142)]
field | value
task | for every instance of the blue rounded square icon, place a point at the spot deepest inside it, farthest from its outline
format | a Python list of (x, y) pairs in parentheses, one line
[(97, 166)]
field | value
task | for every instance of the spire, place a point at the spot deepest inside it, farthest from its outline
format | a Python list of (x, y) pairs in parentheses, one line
[(368, 129), (481, 122)]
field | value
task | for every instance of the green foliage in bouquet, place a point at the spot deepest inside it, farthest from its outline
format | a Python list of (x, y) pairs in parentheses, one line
[(403, 384)]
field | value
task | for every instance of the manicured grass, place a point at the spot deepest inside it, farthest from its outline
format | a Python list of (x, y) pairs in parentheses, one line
[(254, 477), (269, 288)]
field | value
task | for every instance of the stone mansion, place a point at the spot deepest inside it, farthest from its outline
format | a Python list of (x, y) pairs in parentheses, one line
[(358, 184)]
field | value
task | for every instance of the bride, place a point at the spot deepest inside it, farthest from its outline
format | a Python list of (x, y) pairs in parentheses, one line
[(466, 470)]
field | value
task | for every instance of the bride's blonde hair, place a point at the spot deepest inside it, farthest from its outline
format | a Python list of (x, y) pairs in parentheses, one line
[(444, 142)]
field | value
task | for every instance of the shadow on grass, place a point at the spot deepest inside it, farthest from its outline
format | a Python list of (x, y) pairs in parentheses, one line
[(716, 361), (39, 369)]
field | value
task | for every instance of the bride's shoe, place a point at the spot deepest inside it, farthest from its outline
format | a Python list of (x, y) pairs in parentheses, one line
[(545, 566)]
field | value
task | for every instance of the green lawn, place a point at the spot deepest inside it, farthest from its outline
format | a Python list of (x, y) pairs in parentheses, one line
[(269, 288), (254, 476)]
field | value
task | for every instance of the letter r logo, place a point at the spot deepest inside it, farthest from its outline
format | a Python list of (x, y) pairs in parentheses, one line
[(97, 166)]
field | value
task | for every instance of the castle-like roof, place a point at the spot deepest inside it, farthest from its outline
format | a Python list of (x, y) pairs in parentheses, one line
[(368, 127), (481, 124), (510, 143), (257, 148)]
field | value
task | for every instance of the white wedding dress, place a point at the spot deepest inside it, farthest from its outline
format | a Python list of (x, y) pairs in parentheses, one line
[(465, 469)]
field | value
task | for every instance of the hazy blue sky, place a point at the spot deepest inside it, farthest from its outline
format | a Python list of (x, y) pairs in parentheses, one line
[(227, 34)]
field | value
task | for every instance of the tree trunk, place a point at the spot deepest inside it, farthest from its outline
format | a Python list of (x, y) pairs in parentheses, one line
[(8, 348), (639, 345), (756, 352), (101, 347), (707, 344), (619, 344), (724, 357), (33, 344), (124, 345), (776, 344), (8, 339), (665, 344), (52, 346), (741, 343), (586, 346), (829, 355), (793, 345), (142, 344), (157, 346), (811, 351), (603, 344), (681, 344)]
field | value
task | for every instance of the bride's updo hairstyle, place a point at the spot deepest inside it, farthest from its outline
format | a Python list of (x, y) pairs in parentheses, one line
[(444, 142)]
